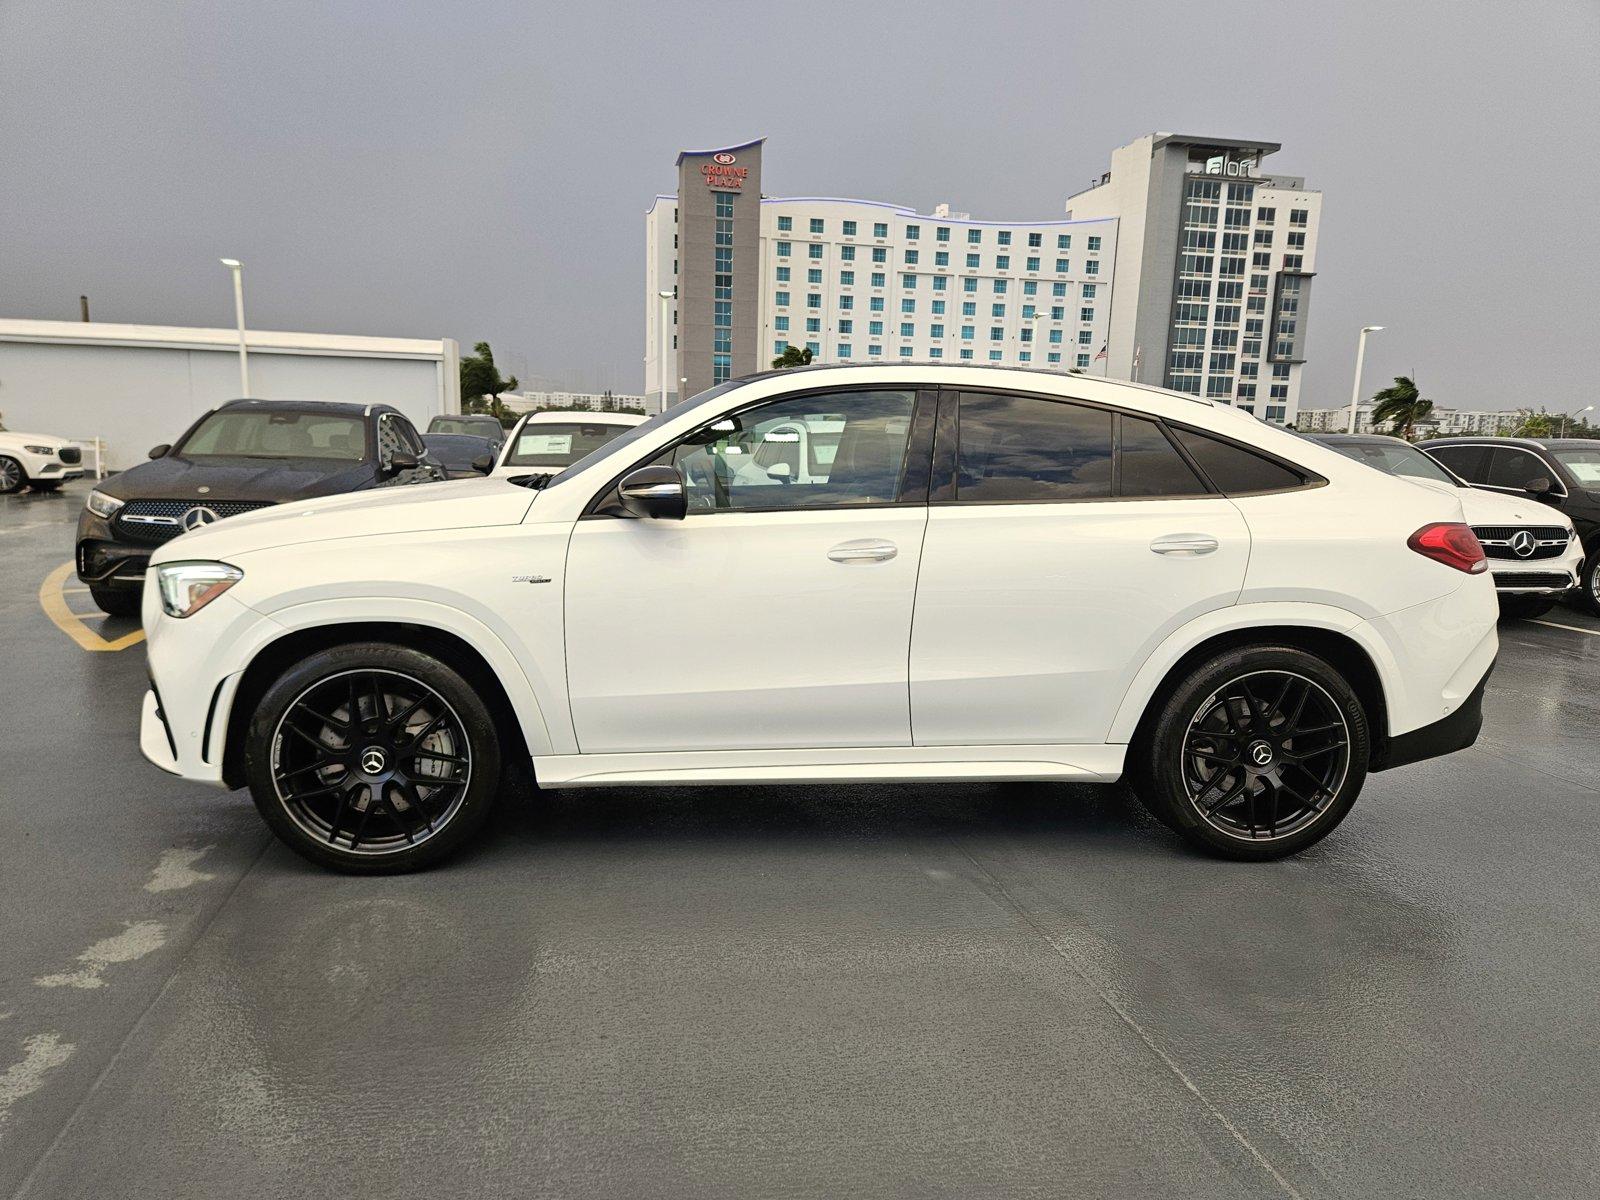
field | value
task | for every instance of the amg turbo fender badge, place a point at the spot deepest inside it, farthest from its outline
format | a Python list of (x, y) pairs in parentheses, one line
[(530, 579)]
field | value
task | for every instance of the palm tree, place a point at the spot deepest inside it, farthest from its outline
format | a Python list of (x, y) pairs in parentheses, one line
[(792, 356), (1402, 404)]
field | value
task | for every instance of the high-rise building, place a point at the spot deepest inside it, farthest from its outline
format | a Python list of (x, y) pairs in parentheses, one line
[(1214, 267), (1183, 266)]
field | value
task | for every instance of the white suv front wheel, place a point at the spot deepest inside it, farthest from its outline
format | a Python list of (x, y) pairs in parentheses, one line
[(1257, 754)]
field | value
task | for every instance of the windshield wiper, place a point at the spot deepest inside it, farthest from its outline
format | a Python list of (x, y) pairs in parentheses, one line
[(532, 482)]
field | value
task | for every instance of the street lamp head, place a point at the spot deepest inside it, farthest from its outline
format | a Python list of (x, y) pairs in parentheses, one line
[(665, 295), (232, 263), (1371, 328)]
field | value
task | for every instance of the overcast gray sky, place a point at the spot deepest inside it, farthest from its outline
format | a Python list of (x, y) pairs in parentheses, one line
[(480, 169)]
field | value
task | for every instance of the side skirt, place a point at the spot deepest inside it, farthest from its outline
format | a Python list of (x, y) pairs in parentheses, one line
[(933, 764)]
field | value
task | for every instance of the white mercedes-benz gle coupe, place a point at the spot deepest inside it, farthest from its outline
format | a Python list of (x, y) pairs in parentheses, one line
[(922, 573)]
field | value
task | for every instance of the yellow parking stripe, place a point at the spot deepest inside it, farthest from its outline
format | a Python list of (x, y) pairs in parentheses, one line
[(54, 603)]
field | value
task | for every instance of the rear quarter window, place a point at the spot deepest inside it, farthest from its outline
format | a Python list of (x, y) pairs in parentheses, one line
[(1236, 471)]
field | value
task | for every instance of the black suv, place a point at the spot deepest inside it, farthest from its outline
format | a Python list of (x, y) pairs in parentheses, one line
[(247, 454), (1561, 472)]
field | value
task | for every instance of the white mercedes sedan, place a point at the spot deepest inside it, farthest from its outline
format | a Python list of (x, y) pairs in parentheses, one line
[(835, 574)]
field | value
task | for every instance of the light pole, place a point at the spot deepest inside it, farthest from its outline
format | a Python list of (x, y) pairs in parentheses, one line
[(1355, 388), (1040, 316), (237, 267), (666, 313), (1579, 413)]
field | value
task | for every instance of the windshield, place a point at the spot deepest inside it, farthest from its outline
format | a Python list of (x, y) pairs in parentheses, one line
[(1582, 461), (269, 434), (1398, 459), (473, 425), (559, 444), (618, 445)]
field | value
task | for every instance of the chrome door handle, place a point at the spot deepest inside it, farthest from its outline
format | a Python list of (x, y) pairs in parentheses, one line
[(1185, 543), (863, 550)]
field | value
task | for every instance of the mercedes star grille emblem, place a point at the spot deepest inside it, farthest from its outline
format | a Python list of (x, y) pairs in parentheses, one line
[(198, 516), (1522, 543)]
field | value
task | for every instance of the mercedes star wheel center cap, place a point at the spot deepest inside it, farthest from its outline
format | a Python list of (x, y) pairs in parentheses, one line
[(374, 761), (1260, 753)]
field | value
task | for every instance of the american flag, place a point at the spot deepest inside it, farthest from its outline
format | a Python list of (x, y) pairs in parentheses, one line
[(1102, 353)]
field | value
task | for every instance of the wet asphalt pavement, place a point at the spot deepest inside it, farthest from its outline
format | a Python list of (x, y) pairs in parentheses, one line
[(876, 991)]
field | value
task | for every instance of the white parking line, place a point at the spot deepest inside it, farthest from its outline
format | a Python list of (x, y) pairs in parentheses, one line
[(1558, 625), (135, 941)]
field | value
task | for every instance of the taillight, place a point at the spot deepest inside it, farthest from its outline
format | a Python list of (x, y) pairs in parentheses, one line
[(1453, 544)]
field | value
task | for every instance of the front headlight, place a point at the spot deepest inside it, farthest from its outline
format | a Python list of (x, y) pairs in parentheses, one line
[(102, 505), (47, 451), (187, 587)]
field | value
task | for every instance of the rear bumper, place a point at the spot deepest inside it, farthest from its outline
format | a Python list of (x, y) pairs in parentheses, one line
[(1445, 736)]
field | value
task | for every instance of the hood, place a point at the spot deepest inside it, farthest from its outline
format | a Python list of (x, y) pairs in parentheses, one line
[(405, 508), (12, 439), (1492, 508), (276, 480)]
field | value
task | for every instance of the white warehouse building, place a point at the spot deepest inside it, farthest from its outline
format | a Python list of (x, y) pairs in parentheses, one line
[(132, 386)]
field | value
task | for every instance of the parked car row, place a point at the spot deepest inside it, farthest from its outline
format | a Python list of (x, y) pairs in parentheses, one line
[(38, 461)]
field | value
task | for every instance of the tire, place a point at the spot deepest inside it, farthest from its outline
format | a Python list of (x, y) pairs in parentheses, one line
[(116, 602), (1197, 767), (12, 477), (1588, 593), (46, 485), (1524, 608), (390, 795)]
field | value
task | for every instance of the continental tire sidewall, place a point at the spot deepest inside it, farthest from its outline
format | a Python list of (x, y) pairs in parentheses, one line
[(1161, 771), (478, 723)]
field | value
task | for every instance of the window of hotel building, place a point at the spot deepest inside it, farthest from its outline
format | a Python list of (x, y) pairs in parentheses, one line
[(908, 281), (1030, 287), (913, 232), (1190, 314), (972, 262), (1086, 314), (813, 324), (1085, 337), (1189, 337), (875, 303), (1063, 265), (846, 325), (1027, 312), (1250, 349), (907, 329), (1195, 264), (1236, 218), (1058, 289), (877, 279), (842, 350), (905, 351), (1199, 239), (847, 254), (1232, 267), (1280, 391), (1298, 216), (969, 284), (1222, 362), (783, 249), (1266, 215), (1280, 370), (1241, 193), (1184, 383), (935, 352), (874, 351), (1249, 370), (1004, 237), (1261, 262), (1035, 240), (813, 300), (974, 237), (779, 346), (816, 224), (1258, 283), (1227, 314), (1063, 241), (941, 283), (849, 229), (941, 258), (1187, 289), (874, 328), (1024, 356), (1002, 262), (1200, 216), (999, 287), (997, 310), (783, 274), (966, 354), (1284, 349), (1026, 333), (936, 330), (969, 308), (1235, 243), (1293, 262), (996, 355), (780, 324), (1297, 241), (941, 233), (1055, 337), (785, 224), (880, 254), (1094, 245), (1083, 360), (1253, 326), (1032, 264), (847, 278), (814, 275), (908, 305), (968, 333), (1247, 391), (1188, 360), (1219, 385), (1276, 412), (1057, 312), (1263, 237), (938, 308), (780, 298), (880, 230), (814, 347), (911, 258)]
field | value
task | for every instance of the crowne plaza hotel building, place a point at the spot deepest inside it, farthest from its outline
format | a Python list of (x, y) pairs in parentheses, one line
[(1183, 265)]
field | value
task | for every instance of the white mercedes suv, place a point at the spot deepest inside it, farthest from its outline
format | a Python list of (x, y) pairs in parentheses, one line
[(835, 574)]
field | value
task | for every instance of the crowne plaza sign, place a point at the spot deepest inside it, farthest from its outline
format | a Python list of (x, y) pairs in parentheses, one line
[(723, 174)]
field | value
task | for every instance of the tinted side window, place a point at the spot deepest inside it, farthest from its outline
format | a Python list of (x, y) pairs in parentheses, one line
[(1234, 469), (1022, 448), (1510, 468), (1465, 461), (1148, 465)]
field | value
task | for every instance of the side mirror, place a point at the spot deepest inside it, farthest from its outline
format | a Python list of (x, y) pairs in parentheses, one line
[(400, 460), (160, 451), (782, 472), (655, 492), (1537, 487), (483, 464)]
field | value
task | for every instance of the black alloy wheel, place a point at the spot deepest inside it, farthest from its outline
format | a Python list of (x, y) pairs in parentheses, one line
[(1256, 754), (373, 758)]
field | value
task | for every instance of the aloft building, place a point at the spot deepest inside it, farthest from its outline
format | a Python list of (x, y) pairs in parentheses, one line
[(1182, 266)]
